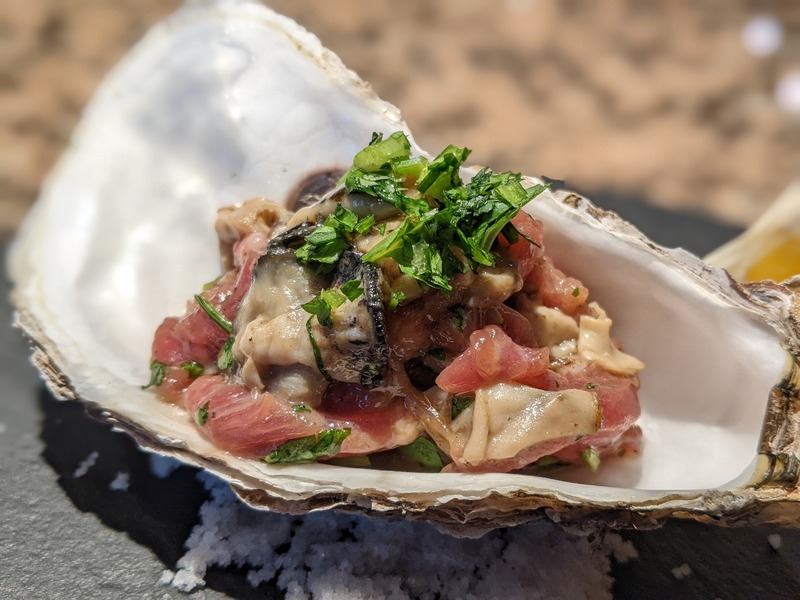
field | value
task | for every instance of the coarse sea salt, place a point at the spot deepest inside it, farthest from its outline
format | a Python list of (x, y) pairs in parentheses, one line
[(331, 556), (86, 464), (120, 483)]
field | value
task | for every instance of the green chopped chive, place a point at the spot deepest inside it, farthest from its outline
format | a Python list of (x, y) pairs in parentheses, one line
[(193, 368), (157, 373), (424, 451), (310, 448), (214, 314), (225, 357), (590, 386), (590, 458), (201, 416), (315, 349), (300, 408)]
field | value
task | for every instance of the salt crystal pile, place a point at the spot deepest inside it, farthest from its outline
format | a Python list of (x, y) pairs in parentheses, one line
[(328, 555)]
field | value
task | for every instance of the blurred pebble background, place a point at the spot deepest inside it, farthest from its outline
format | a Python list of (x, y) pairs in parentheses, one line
[(688, 105)]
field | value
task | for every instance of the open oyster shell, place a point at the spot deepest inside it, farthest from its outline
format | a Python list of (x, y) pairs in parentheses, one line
[(227, 100)]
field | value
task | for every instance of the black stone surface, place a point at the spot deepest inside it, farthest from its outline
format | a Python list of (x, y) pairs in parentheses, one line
[(68, 537)]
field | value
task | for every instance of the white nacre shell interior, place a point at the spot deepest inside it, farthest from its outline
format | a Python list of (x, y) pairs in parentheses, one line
[(226, 101)]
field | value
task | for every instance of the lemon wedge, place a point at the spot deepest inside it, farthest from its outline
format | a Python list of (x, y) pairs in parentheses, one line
[(770, 247)]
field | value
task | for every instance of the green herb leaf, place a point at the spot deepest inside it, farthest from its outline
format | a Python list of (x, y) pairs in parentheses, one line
[(365, 224), (157, 372), (300, 408), (576, 292), (590, 458), (395, 299), (380, 152), (590, 386), (214, 314), (460, 404), (352, 289), (193, 368), (225, 358), (425, 452), (310, 448), (201, 416), (315, 349)]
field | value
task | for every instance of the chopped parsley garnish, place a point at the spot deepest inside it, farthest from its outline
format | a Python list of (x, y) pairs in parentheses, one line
[(352, 289), (193, 368), (590, 458), (201, 416), (449, 226), (590, 386), (576, 292), (214, 314), (322, 306), (460, 404), (300, 408), (395, 299), (425, 452), (325, 245), (310, 448), (225, 357), (157, 372)]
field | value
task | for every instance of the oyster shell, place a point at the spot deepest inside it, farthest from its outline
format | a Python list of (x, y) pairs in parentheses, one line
[(227, 100)]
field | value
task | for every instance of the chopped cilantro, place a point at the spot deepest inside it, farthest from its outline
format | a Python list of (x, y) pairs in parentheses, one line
[(193, 368), (214, 314), (300, 408), (225, 357), (310, 448), (201, 416), (452, 226), (326, 243), (395, 299), (460, 404), (157, 372), (322, 306), (352, 289), (590, 458), (425, 452)]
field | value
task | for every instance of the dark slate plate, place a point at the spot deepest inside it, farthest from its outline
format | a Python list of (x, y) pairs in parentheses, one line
[(67, 537)]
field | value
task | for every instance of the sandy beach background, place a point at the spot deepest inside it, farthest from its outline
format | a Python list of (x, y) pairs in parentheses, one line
[(689, 105)]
